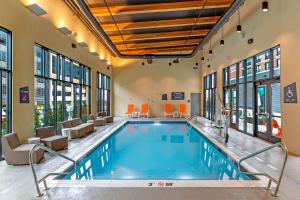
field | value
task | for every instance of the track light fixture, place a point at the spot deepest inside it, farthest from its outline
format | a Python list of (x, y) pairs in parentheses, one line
[(265, 6), (239, 26), (222, 42)]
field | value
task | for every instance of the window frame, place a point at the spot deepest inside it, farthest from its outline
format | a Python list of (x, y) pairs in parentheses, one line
[(62, 81), (8, 70), (269, 53), (210, 87), (103, 87)]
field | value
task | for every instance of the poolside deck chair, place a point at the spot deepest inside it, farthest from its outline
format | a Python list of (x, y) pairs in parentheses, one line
[(182, 110), (276, 126), (16, 153), (144, 110), (130, 110), (168, 110)]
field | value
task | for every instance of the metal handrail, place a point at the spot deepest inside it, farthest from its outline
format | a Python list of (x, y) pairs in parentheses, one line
[(192, 117), (277, 182), (43, 179)]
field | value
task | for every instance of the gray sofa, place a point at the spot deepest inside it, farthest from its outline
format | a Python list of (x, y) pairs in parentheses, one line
[(103, 115), (16, 153), (77, 128)]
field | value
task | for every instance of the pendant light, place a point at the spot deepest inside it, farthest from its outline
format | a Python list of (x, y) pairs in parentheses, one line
[(210, 52), (239, 26), (265, 6), (222, 42)]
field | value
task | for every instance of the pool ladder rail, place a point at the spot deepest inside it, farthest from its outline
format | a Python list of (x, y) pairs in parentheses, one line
[(271, 179), (43, 179), (191, 118)]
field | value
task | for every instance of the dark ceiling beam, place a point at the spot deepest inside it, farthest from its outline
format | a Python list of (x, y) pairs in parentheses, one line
[(125, 26), (129, 38), (168, 50), (101, 11), (149, 45)]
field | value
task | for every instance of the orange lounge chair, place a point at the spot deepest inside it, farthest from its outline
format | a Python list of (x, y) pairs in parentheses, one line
[(130, 110), (276, 126), (168, 110), (144, 110), (182, 110)]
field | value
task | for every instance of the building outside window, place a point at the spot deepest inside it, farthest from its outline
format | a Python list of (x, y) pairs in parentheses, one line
[(62, 88), (210, 90), (5, 83), (103, 93)]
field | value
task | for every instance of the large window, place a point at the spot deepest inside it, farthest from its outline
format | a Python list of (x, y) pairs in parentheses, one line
[(245, 86), (5, 83), (210, 89), (103, 93), (62, 88)]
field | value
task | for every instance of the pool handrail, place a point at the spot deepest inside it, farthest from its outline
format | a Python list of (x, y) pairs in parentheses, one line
[(276, 181), (191, 118), (43, 179)]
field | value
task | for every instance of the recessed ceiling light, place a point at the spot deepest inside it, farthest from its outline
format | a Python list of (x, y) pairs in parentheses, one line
[(36, 9), (83, 44), (64, 30)]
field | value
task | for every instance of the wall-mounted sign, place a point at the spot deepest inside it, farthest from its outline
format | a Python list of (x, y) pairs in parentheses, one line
[(164, 97), (24, 95), (177, 95), (290, 93)]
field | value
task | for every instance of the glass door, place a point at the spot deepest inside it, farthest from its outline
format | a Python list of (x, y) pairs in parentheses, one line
[(230, 101), (233, 107), (268, 111)]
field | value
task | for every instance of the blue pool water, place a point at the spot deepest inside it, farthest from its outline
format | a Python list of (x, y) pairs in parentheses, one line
[(156, 151)]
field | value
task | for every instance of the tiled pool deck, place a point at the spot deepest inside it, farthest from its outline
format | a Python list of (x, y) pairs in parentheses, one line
[(16, 182)]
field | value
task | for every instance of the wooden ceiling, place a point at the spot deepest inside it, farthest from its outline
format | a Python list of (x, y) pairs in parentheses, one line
[(157, 27)]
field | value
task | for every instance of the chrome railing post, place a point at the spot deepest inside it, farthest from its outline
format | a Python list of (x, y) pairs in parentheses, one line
[(271, 179), (33, 172), (282, 146), (36, 181)]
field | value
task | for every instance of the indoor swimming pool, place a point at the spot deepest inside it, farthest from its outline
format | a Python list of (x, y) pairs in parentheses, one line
[(156, 151)]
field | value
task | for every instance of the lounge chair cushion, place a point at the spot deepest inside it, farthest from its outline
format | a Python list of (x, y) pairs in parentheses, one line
[(99, 121), (56, 142), (45, 132), (13, 140), (19, 155), (66, 124), (101, 114), (109, 119), (76, 122)]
